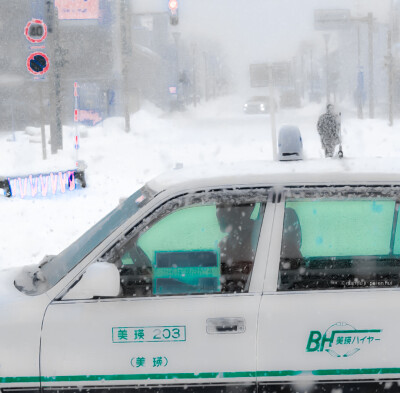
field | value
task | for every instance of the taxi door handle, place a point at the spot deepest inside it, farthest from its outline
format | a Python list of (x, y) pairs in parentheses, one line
[(223, 328), (226, 325)]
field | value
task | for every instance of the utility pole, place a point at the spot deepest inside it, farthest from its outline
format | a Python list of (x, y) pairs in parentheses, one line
[(394, 25), (272, 112), (214, 81), (42, 124), (57, 60), (360, 78), (389, 65), (369, 19), (311, 73), (194, 77), (205, 76), (125, 44), (177, 36), (370, 22)]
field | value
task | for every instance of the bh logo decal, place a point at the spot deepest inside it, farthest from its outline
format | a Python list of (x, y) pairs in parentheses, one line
[(342, 340)]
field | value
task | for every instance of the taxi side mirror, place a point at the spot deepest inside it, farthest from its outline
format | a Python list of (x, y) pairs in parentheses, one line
[(101, 279)]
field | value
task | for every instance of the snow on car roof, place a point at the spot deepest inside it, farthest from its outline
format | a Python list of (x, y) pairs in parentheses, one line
[(325, 171)]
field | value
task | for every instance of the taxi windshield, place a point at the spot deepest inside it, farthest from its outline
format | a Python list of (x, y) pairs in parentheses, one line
[(54, 269)]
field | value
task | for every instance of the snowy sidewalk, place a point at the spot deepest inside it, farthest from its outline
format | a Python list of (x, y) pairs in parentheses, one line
[(119, 163)]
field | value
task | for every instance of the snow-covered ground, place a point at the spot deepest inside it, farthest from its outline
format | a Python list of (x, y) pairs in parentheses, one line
[(119, 163)]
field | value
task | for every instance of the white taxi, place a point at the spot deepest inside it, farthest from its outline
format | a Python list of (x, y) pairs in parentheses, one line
[(228, 280)]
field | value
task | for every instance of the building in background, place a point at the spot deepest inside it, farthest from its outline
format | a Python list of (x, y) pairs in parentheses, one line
[(85, 46)]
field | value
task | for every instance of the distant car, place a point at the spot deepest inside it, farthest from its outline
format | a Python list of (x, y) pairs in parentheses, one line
[(257, 105), (290, 144)]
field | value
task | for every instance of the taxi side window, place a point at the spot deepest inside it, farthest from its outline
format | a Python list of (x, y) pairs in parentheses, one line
[(193, 250), (340, 244)]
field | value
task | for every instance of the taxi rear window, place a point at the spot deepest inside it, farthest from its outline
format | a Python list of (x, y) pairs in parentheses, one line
[(340, 244)]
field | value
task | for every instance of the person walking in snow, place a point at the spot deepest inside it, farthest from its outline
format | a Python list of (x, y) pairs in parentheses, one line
[(328, 127)]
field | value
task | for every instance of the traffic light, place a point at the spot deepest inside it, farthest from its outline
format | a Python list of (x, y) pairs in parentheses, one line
[(173, 9), (173, 5)]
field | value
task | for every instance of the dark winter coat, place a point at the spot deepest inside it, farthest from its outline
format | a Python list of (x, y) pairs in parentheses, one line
[(328, 128)]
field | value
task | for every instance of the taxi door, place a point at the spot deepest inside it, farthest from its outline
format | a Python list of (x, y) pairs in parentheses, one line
[(187, 314), (329, 311)]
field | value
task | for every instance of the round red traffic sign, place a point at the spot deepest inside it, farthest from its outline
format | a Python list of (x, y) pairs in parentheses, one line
[(37, 63), (35, 31)]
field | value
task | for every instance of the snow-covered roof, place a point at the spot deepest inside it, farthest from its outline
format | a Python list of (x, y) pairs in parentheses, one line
[(327, 171)]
